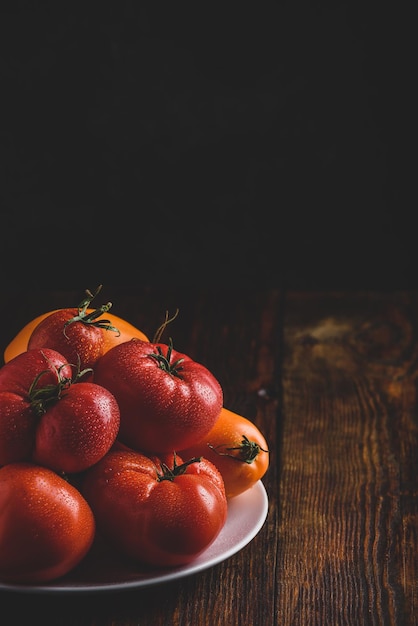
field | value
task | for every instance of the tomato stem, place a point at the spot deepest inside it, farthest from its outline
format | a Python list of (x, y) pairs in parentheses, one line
[(177, 470), (164, 361), (42, 397), (247, 450), (161, 329), (91, 318)]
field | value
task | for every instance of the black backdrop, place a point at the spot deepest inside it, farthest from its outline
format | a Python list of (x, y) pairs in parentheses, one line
[(233, 145)]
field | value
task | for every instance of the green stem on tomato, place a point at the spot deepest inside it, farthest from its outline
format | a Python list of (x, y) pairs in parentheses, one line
[(164, 360), (42, 397), (177, 470), (248, 451), (91, 318)]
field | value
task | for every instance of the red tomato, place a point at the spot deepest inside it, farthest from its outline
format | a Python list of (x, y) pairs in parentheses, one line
[(159, 511), (45, 417), (167, 400), (46, 526), (78, 333), (77, 340), (127, 331), (238, 449), (19, 374)]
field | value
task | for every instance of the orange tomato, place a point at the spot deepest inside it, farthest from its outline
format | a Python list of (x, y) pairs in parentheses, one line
[(237, 448), (19, 343)]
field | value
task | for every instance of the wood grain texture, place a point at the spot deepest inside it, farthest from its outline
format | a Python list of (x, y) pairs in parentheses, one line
[(348, 510), (331, 380)]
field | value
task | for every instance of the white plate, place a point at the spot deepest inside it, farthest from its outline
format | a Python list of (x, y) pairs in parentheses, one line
[(104, 571)]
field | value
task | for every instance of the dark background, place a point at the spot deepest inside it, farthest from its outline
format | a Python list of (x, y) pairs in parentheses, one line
[(223, 145)]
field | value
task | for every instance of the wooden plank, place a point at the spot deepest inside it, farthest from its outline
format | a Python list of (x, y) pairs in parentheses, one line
[(348, 524)]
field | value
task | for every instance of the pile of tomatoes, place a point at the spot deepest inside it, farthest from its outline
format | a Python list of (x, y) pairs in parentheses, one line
[(104, 433)]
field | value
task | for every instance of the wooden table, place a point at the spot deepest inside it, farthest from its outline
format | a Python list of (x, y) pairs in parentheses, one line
[(331, 380)]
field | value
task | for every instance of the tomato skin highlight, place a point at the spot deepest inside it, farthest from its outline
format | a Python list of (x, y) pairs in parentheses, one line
[(46, 526), (19, 343), (225, 447), (163, 523), (160, 412)]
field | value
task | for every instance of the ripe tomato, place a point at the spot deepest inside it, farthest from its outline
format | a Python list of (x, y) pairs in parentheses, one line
[(237, 448), (45, 417), (167, 400), (159, 511), (74, 339), (46, 526), (95, 334)]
